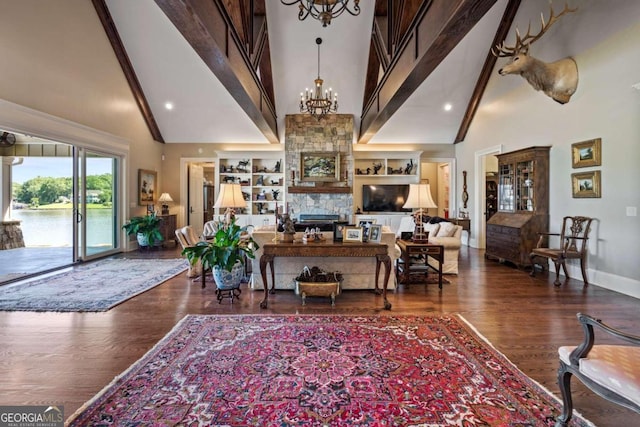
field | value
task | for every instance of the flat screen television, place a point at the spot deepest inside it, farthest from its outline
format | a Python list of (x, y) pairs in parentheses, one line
[(385, 198)]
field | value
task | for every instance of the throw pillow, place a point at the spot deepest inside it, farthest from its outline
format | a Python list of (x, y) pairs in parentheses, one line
[(447, 229), (431, 228)]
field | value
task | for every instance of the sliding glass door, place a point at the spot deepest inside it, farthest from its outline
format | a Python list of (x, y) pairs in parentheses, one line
[(96, 231)]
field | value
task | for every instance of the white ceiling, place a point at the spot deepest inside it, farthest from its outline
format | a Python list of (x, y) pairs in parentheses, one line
[(170, 71)]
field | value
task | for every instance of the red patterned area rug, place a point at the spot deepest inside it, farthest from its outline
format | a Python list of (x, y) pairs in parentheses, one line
[(322, 371)]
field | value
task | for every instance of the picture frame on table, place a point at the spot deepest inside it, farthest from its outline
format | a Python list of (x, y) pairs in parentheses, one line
[(375, 233), (320, 167), (338, 230), (586, 185), (366, 225), (352, 234), (147, 183), (587, 153)]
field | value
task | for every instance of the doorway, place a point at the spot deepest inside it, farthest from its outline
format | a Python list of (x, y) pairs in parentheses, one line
[(485, 164), (439, 174), (97, 224), (198, 185)]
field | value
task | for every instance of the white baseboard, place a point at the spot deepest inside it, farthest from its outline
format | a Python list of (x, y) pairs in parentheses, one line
[(624, 285)]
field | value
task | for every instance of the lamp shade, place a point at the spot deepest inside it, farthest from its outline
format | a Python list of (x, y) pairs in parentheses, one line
[(419, 197), (230, 196), (165, 197)]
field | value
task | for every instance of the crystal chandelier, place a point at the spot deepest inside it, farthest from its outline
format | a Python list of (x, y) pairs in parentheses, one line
[(323, 10), (313, 101)]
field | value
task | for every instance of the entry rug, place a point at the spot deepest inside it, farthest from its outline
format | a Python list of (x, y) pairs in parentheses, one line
[(96, 286), (322, 371)]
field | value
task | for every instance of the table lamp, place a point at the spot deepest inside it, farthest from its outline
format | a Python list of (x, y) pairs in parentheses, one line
[(230, 197), (420, 198), (164, 198)]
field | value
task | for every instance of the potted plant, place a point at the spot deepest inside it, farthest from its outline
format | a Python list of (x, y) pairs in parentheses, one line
[(223, 254), (146, 228)]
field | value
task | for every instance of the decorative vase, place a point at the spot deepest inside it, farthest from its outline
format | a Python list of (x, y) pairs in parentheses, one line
[(226, 280)]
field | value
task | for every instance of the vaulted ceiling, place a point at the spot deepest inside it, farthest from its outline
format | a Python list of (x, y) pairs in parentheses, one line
[(233, 69)]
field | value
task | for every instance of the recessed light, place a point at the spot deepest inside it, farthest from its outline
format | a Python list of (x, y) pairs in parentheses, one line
[(448, 107), (168, 105)]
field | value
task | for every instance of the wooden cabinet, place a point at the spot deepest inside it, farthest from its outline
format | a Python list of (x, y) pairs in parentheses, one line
[(168, 226), (523, 205)]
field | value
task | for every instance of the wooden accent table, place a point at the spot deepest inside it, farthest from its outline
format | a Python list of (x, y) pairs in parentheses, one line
[(408, 248), (168, 227), (324, 249)]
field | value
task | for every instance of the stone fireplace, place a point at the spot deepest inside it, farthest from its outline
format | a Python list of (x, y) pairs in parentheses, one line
[(303, 134)]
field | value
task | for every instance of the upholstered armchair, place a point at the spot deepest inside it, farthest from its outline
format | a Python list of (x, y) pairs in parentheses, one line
[(611, 371), (187, 237)]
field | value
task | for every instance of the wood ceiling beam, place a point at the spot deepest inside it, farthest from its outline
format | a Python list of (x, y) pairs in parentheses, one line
[(439, 26), (209, 30), (501, 34), (129, 73)]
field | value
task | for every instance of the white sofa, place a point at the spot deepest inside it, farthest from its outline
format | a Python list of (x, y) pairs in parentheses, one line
[(358, 272), (449, 236)]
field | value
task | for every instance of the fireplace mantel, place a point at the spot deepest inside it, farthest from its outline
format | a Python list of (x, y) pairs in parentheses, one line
[(318, 190)]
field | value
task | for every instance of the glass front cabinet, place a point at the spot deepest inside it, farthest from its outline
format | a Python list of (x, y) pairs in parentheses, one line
[(523, 205)]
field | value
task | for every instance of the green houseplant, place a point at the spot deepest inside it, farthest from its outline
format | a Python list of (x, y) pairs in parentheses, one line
[(146, 228), (223, 254)]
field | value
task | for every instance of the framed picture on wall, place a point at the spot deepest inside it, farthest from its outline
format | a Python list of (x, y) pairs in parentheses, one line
[(321, 167), (587, 153), (586, 185), (147, 182)]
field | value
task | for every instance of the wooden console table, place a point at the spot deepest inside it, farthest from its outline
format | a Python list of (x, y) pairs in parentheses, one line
[(324, 249), (409, 249)]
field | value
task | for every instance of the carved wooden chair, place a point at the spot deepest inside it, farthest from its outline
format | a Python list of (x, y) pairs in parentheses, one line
[(573, 245), (611, 371)]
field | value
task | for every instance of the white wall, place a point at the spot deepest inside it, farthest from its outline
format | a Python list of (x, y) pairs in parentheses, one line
[(604, 39), (57, 59)]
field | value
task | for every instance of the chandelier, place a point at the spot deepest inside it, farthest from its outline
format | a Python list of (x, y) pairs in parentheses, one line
[(324, 10), (313, 101)]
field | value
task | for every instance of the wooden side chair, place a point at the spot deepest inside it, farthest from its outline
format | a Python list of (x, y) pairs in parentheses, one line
[(574, 237), (611, 371)]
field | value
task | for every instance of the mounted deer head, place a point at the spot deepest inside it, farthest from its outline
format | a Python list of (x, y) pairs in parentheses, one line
[(557, 80)]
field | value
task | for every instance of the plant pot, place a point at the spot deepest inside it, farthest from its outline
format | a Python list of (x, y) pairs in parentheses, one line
[(142, 240), (226, 280)]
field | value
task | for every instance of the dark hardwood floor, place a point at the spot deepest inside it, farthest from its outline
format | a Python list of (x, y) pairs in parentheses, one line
[(66, 358)]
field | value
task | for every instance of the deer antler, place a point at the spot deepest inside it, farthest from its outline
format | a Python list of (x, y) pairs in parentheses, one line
[(523, 43)]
